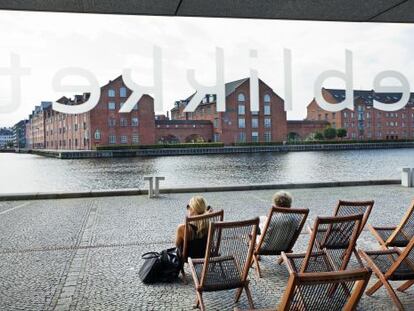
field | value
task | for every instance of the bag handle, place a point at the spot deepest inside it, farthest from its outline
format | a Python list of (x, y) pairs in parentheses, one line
[(150, 255)]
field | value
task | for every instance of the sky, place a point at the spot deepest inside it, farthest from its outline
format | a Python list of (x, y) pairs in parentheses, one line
[(107, 44)]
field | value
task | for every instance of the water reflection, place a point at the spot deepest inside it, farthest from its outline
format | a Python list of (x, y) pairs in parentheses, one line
[(28, 173)]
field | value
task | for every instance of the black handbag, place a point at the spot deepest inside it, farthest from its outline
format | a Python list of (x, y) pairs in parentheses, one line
[(161, 267)]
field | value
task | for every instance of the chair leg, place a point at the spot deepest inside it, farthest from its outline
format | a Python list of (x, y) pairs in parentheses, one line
[(200, 302), (279, 260), (184, 277), (393, 295), (249, 297), (405, 286), (258, 271), (374, 288), (238, 294)]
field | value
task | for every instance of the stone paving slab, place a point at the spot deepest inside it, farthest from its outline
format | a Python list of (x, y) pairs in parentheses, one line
[(99, 242)]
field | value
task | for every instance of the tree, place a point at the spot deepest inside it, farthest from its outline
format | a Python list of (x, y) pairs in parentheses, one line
[(318, 136), (329, 133), (341, 133)]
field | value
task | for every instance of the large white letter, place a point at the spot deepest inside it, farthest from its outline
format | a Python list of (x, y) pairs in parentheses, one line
[(254, 85), (218, 89), (287, 61), (404, 88), (92, 88), (139, 90), (348, 102), (15, 72)]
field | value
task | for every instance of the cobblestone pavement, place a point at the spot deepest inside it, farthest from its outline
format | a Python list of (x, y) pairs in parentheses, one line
[(84, 254)]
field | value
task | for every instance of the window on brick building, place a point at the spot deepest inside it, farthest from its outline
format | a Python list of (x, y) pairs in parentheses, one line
[(123, 122), (242, 123), (112, 139), (111, 122), (215, 123), (345, 114), (76, 127), (267, 123), (241, 97), (111, 93), (216, 137), (266, 98), (266, 109), (124, 139), (76, 142), (134, 121), (242, 137), (135, 138), (97, 135), (241, 109), (111, 106), (255, 137), (123, 92), (268, 137), (255, 123)]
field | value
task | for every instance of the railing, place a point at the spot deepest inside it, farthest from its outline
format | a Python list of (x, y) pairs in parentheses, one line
[(217, 150)]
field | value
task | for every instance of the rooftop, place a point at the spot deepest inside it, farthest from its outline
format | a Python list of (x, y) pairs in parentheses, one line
[(85, 253)]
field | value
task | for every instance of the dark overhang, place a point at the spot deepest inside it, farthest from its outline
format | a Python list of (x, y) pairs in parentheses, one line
[(320, 10)]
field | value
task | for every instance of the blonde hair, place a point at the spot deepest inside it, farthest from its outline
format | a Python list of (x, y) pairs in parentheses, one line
[(282, 199), (199, 205)]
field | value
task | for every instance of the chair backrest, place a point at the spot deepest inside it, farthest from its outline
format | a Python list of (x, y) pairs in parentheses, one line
[(406, 226), (339, 290), (346, 208), (195, 246), (332, 233), (230, 247), (281, 230)]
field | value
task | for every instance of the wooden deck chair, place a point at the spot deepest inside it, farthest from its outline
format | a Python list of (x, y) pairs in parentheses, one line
[(312, 290), (331, 244), (347, 208), (280, 232), (196, 247), (398, 236), (391, 265), (227, 261)]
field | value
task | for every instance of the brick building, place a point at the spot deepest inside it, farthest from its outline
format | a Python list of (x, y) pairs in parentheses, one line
[(19, 134), (301, 129), (104, 125), (238, 123), (366, 122)]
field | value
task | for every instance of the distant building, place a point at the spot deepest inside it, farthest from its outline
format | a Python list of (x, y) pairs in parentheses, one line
[(19, 133), (301, 129), (238, 123), (366, 122), (6, 137)]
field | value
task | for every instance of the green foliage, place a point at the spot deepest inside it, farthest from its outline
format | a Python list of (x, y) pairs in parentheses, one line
[(318, 136), (329, 133), (341, 133)]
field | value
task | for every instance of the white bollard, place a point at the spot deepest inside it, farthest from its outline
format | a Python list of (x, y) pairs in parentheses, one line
[(406, 177), (157, 185), (151, 186)]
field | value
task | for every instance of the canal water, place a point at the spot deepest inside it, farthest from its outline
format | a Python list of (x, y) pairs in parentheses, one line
[(31, 173)]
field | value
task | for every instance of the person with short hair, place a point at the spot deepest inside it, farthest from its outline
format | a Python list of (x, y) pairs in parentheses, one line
[(281, 199)]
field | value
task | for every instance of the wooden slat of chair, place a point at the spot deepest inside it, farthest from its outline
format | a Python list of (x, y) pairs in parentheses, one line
[(385, 278), (396, 230), (213, 255), (359, 277), (272, 212), (216, 215)]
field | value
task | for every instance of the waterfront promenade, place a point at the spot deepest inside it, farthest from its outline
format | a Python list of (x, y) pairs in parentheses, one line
[(84, 254)]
